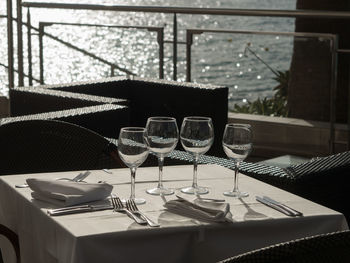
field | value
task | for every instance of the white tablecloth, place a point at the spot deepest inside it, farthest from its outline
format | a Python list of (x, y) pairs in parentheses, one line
[(106, 236)]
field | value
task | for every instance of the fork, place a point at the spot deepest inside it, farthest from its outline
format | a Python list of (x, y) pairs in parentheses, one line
[(80, 177), (130, 204), (119, 207), (77, 178)]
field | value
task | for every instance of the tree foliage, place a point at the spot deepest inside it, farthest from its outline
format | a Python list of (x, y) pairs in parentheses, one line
[(275, 106)]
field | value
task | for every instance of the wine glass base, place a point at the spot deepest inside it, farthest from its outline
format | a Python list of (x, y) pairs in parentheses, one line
[(195, 190), (236, 194), (160, 191)]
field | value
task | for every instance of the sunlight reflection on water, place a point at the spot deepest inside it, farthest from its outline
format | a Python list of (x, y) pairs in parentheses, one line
[(217, 58)]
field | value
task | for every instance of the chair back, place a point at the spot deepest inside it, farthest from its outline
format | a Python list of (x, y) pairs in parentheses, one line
[(48, 146), (325, 248)]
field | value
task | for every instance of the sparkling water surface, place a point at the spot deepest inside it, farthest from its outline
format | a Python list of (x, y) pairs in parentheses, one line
[(220, 59)]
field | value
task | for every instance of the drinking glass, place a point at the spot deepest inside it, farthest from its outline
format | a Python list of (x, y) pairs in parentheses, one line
[(237, 144), (197, 136), (162, 137), (133, 151)]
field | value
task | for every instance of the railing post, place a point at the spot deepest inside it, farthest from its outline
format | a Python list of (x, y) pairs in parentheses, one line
[(41, 52), (333, 95), (161, 52), (10, 51), (348, 146), (112, 71), (175, 48), (10, 44), (20, 44), (189, 38), (29, 36)]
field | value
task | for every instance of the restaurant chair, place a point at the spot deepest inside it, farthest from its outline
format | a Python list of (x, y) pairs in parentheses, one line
[(325, 248), (13, 239), (323, 180), (34, 146)]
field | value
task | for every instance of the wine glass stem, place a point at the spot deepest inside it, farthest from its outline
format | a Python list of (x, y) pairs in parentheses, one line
[(160, 164), (195, 163), (235, 185), (133, 173)]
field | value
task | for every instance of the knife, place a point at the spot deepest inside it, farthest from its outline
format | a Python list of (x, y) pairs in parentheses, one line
[(77, 209), (274, 206), (204, 199), (297, 213), (211, 199)]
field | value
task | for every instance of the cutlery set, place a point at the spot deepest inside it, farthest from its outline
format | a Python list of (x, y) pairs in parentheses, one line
[(130, 205), (278, 206), (116, 205), (139, 217)]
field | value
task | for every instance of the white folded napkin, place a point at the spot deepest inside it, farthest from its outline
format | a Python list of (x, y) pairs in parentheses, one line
[(68, 193), (194, 207)]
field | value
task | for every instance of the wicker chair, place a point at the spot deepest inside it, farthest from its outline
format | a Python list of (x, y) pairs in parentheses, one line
[(34, 146), (48, 146), (176, 99), (324, 180), (13, 238), (326, 248)]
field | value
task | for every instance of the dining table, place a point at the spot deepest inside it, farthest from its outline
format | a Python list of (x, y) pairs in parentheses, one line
[(108, 236)]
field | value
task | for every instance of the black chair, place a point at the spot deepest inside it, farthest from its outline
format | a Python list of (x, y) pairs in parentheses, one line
[(13, 239), (326, 248), (35, 146), (324, 180)]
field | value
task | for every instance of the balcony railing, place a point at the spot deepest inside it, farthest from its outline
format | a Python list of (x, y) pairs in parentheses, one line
[(311, 14)]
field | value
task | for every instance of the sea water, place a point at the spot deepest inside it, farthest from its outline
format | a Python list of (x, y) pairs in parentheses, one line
[(243, 62)]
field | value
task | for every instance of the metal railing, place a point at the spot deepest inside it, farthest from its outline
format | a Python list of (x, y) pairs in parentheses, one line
[(311, 14), (178, 10), (1, 64), (42, 33), (10, 56), (334, 57), (15, 70), (160, 40)]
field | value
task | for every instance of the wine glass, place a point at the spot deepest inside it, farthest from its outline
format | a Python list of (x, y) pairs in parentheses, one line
[(133, 151), (237, 144), (162, 137), (197, 136)]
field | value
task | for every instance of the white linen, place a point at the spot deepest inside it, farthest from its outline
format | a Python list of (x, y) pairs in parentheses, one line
[(68, 193), (199, 209), (113, 237)]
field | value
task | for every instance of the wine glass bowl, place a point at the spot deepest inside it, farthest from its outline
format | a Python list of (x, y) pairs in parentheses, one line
[(133, 151), (237, 144), (197, 136), (162, 137)]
